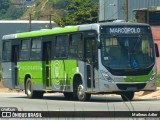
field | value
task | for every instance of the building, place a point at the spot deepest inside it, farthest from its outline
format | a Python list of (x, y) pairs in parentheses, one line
[(150, 15), (116, 9)]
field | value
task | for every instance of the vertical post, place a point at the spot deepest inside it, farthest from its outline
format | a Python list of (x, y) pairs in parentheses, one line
[(50, 21), (147, 16), (104, 11), (126, 10), (30, 19), (98, 13)]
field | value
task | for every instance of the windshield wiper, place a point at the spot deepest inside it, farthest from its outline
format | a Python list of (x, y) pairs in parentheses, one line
[(134, 47), (133, 63)]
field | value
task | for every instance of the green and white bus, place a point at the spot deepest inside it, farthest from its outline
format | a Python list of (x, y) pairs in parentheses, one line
[(81, 60)]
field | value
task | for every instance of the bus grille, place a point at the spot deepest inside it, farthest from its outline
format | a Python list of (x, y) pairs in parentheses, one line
[(125, 86)]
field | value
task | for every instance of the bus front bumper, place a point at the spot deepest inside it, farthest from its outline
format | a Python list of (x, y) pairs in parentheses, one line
[(127, 86)]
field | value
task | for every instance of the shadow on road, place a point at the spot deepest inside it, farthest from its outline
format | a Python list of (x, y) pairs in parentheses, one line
[(94, 98)]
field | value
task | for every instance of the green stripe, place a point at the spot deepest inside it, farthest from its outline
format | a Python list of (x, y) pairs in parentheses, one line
[(48, 32), (60, 69), (141, 78)]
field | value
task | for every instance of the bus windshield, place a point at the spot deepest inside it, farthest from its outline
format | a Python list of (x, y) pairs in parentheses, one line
[(127, 51)]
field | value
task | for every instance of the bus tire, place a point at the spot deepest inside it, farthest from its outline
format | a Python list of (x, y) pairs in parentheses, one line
[(30, 92), (127, 96), (68, 95), (79, 93)]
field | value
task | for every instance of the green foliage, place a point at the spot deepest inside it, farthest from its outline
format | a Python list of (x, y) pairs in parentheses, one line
[(4, 5), (37, 15), (37, 2), (65, 12), (58, 4), (158, 79), (0, 75), (14, 13), (9, 11), (80, 12)]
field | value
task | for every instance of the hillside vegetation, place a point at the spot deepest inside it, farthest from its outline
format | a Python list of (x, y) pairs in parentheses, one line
[(63, 12), (8, 11)]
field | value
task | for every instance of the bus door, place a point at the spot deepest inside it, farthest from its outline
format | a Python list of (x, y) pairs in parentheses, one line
[(47, 63), (91, 62), (15, 57)]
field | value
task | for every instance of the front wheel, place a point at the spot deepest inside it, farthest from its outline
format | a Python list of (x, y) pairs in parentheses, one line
[(127, 96), (79, 92), (30, 92)]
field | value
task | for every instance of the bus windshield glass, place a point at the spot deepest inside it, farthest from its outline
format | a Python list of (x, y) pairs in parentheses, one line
[(127, 47)]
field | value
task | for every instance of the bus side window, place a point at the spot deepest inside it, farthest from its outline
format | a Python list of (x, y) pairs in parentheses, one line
[(75, 49), (61, 46), (25, 50), (36, 49), (6, 54)]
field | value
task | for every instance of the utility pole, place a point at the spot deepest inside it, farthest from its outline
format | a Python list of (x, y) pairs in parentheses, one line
[(126, 10), (50, 21), (30, 19)]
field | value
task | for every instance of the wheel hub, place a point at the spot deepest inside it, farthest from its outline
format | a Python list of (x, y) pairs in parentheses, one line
[(29, 89), (81, 92)]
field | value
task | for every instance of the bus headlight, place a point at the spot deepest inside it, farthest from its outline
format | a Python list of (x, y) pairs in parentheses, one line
[(106, 76), (153, 76)]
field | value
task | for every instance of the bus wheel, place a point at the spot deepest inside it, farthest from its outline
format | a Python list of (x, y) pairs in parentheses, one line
[(68, 95), (30, 92), (127, 96), (79, 92)]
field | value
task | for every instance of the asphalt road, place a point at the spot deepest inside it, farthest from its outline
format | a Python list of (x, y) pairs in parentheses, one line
[(57, 102)]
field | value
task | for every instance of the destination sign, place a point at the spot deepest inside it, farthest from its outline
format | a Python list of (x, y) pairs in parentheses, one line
[(124, 30)]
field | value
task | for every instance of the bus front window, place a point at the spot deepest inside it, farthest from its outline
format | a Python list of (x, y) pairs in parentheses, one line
[(127, 52)]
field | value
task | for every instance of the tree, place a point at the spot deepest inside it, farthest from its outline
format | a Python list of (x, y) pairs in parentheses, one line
[(14, 13), (80, 12), (9, 11), (59, 4), (4, 5)]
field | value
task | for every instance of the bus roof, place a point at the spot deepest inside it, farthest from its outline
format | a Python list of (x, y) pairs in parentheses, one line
[(41, 32), (66, 29)]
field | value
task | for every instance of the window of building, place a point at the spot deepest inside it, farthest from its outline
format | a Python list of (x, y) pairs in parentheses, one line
[(61, 46), (6, 54), (36, 49), (76, 46), (25, 50)]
